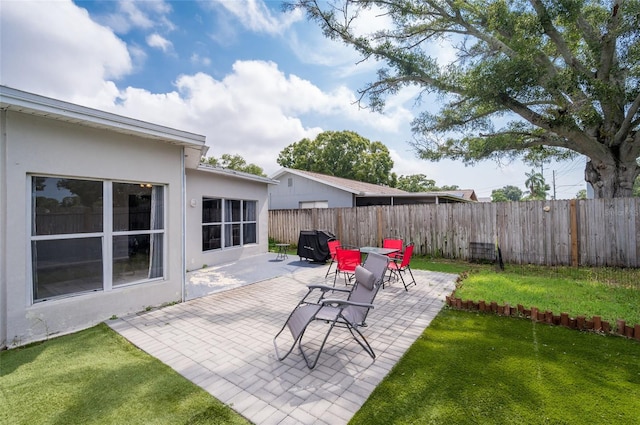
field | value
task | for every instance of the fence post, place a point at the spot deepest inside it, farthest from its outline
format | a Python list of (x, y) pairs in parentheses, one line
[(314, 218), (379, 218), (339, 224), (573, 211)]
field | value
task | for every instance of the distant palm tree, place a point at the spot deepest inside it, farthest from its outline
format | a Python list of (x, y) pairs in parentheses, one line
[(536, 185)]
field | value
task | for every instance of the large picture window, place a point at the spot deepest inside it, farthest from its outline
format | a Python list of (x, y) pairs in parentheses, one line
[(228, 223), (90, 235)]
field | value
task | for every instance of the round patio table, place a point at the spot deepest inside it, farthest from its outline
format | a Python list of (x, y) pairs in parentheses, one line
[(281, 249), (377, 250)]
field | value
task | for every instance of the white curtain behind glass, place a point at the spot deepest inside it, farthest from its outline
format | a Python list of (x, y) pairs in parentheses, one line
[(250, 210), (249, 229), (157, 223)]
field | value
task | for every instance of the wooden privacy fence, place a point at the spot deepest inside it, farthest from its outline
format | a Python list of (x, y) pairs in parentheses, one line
[(594, 232)]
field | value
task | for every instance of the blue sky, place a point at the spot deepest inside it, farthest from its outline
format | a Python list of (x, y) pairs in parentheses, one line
[(248, 76)]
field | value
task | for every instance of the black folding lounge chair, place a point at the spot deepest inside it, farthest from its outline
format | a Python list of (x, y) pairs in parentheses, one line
[(350, 313)]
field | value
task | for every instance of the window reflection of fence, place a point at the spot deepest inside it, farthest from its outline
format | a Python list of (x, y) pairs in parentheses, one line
[(66, 223), (595, 232), (88, 222)]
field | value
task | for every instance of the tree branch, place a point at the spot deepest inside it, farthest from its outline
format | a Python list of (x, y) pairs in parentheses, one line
[(498, 45), (628, 121), (575, 139), (589, 34), (608, 45), (555, 36)]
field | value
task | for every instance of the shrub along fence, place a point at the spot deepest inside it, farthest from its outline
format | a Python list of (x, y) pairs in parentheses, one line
[(594, 232)]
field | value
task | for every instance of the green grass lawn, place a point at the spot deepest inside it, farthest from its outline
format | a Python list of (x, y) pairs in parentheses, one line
[(445, 266), (471, 368), (575, 294), (96, 377), (466, 368)]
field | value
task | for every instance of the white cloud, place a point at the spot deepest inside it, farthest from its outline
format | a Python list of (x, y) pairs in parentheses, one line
[(138, 14), (255, 16), (196, 59), (138, 55), (55, 49), (254, 111), (370, 20), (134, 15), (159, 42)]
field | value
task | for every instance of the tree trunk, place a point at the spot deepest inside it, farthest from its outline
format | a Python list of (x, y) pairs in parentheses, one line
[(613, 178)]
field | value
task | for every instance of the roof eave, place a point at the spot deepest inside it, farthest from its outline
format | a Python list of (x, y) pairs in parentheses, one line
[(356, 192), (416, 195), (20, 101), (236, 174), (282, 171)]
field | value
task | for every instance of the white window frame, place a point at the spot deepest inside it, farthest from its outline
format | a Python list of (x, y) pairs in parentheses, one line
[(213, 223), (107, 236), (245, 222), (226, 221)]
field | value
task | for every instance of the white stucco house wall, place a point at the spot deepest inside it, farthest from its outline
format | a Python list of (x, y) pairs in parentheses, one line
[(101, 215), (215, 239)]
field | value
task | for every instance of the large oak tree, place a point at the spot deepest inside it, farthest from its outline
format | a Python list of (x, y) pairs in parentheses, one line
[(342, 154), (562, 76)]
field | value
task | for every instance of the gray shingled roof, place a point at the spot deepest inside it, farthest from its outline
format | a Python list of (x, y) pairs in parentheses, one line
[(353, 186), (468, 194)]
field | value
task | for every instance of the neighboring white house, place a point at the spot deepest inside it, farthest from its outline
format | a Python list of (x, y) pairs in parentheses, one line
[(305, 189), (101, 215)]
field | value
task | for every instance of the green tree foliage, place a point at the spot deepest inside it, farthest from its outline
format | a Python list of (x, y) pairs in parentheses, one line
[(536, 185), (415, 183), (234, 162), (85, 194), (562, 76), (341, 154), (507, 193), (582, 194), (419, 183), (447, 187)]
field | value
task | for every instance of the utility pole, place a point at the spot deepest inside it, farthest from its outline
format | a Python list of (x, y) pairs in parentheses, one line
[(554, 184)]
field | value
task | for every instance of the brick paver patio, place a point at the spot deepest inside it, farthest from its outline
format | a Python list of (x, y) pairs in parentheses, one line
[(224, 343)]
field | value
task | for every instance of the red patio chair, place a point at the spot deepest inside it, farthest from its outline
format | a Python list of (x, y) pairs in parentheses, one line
[(395, 244), (346, 262), (333, 245), (401, 265)]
